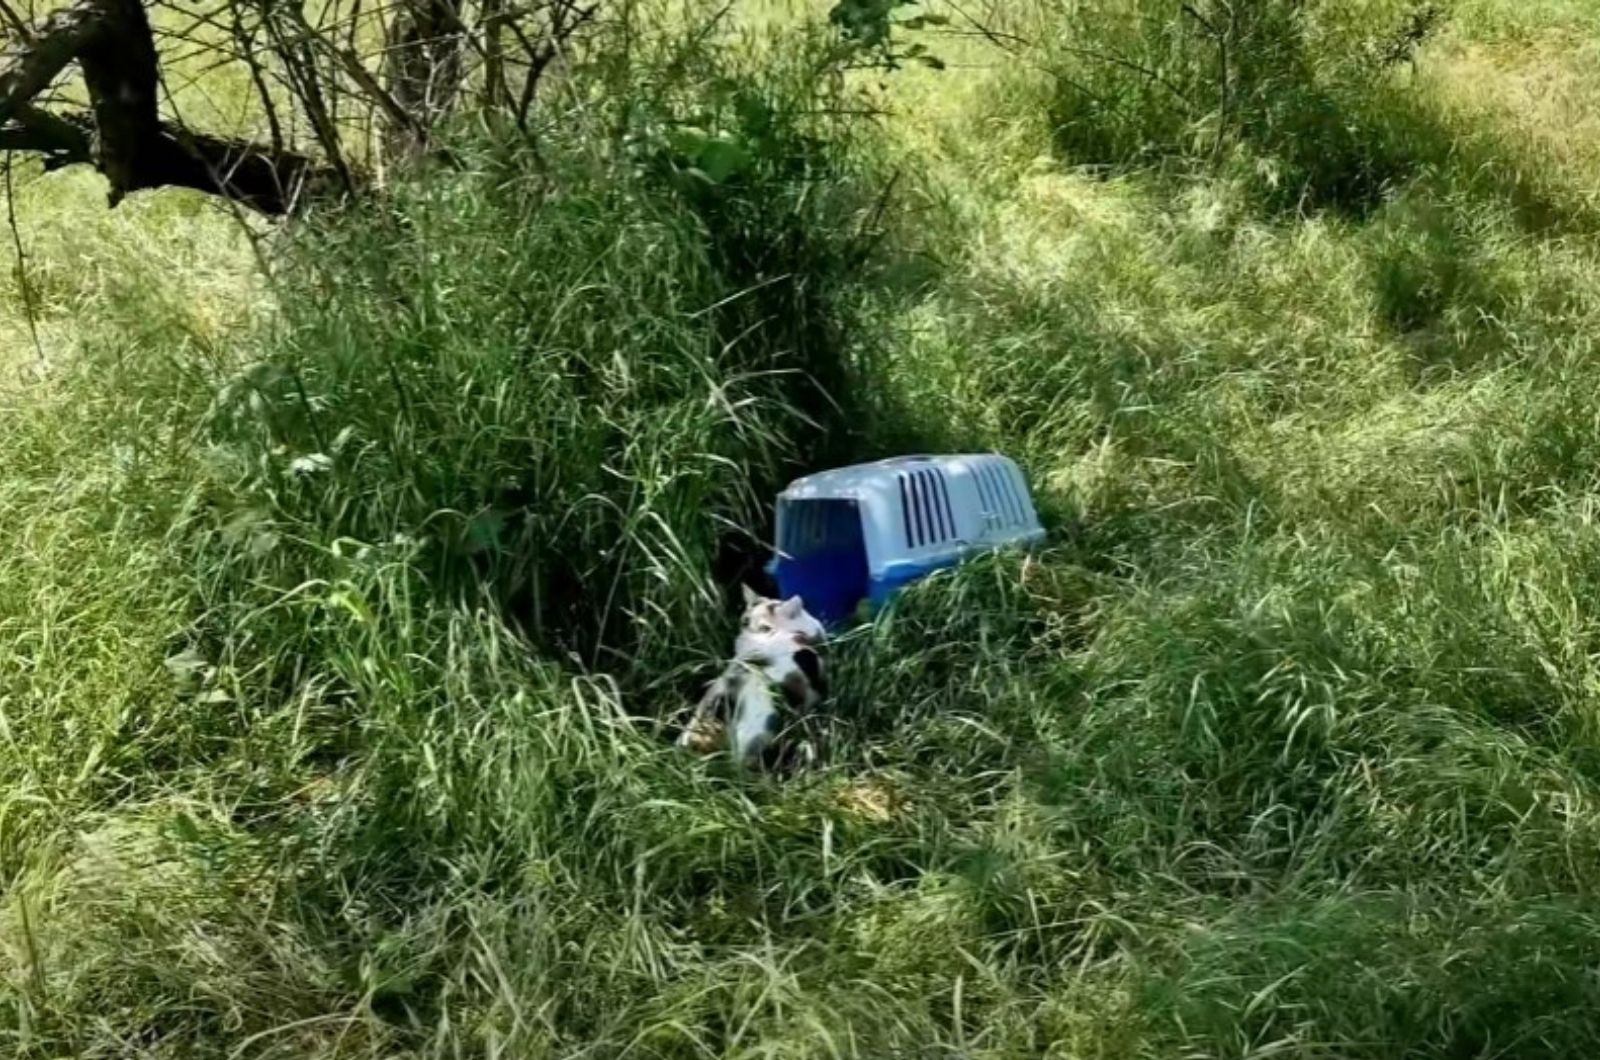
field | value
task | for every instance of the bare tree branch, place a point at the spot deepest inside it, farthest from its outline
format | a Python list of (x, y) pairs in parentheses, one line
[(24, 282), (16, 23), (300, 64), (364, 79), (61, 140), (240, 170), (430, 48), (423, 46), (246, 40), (35, 62)]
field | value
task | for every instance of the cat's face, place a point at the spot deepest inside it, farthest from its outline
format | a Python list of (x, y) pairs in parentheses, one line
[(790, 617)]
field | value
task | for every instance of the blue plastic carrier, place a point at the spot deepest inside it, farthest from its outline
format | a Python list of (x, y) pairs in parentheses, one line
[(863, 532)]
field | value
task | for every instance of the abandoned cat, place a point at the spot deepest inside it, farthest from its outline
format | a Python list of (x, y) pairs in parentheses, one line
[(775, 665)]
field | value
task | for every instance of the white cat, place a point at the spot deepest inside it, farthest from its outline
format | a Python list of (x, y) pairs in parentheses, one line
[(775, 665)]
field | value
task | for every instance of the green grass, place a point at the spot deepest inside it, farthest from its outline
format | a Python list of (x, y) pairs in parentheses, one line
[(339, 610)]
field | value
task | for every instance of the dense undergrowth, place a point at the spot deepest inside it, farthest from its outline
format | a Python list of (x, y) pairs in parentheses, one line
[(339, 611)]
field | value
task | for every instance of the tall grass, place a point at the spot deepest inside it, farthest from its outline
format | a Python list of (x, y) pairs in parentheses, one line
[(337, 639)]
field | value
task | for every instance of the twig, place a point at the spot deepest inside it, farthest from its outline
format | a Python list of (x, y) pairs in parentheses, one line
[(30, 69), (300, 64), (870, 233), (496, 89), (28, 307), (541, 55), (246, 41), (998, 38), (1224, 81), (1128, 64), (35, 961), (18, 24), (231, 205), (1189, 9), (357, 71)]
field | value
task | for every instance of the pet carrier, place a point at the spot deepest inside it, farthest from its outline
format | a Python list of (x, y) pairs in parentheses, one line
[(861, 533)]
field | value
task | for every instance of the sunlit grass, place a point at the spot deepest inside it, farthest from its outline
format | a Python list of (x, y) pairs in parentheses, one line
[(338, 613)]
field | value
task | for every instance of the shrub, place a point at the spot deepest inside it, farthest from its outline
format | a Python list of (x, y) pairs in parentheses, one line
[(1299, 94), (567, 377)]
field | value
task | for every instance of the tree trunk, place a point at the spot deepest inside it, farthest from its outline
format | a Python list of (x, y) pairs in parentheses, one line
[(32, 64), (123, 135), (426, 68), (121, 72)]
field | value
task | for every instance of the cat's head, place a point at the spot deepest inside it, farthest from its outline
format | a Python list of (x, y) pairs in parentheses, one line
[(766, 616)]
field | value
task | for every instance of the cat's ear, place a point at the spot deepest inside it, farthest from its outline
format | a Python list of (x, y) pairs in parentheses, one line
[(792, 608), (751, 597)]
